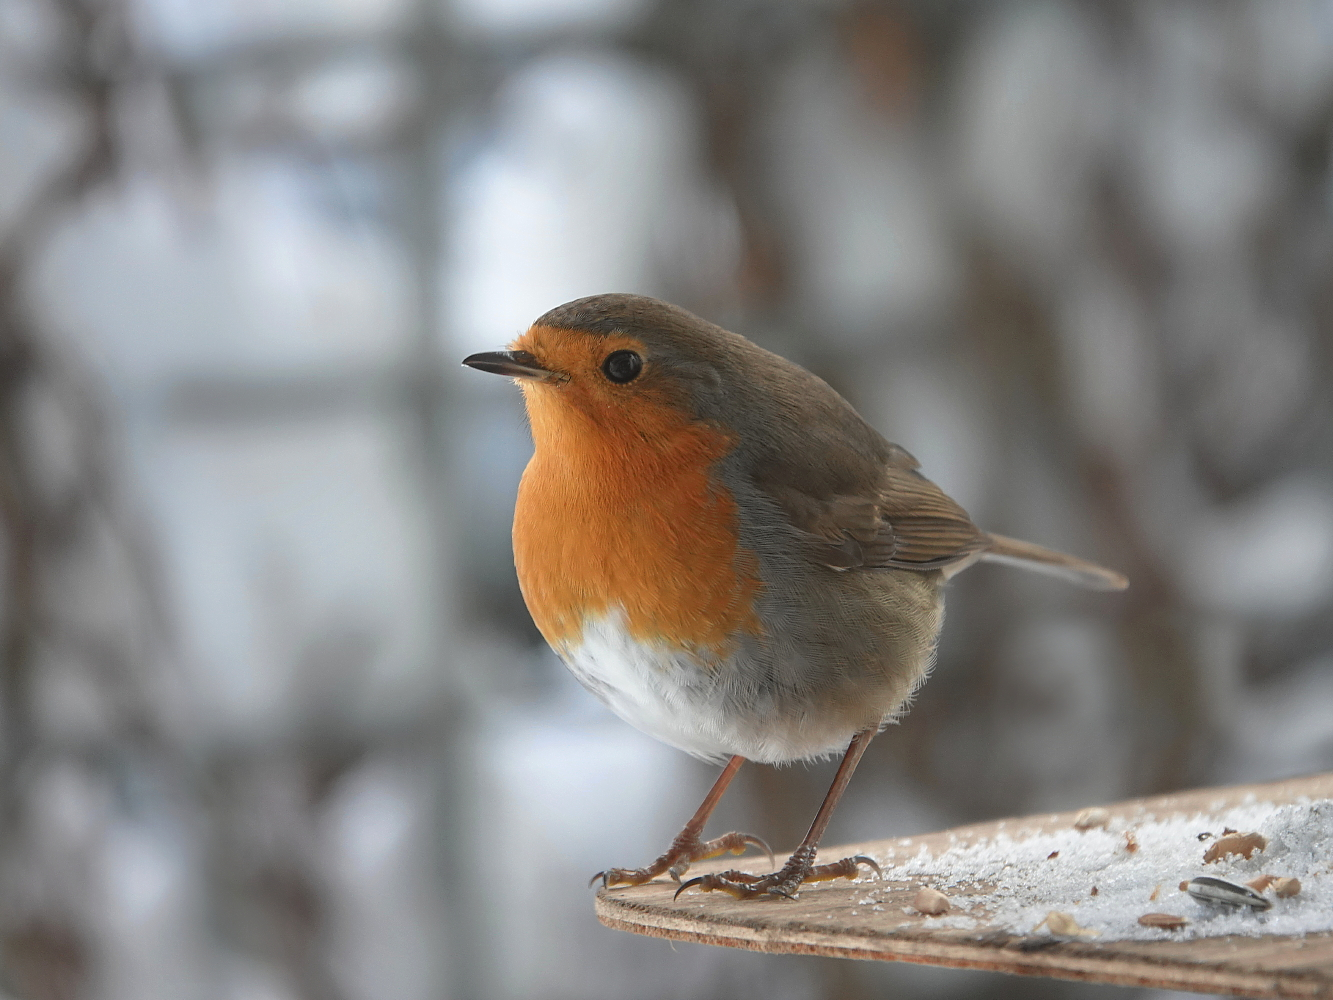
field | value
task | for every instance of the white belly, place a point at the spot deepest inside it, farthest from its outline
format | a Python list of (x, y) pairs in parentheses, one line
[(700, 708)]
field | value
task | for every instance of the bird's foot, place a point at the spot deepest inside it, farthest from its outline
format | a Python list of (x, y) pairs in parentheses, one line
[(786, 881), (686, 849)]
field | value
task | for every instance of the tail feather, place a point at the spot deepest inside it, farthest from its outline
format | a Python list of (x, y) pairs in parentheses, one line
[(1025, 555)]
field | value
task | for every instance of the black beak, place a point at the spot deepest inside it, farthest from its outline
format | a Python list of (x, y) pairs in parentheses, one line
[(514, 364)]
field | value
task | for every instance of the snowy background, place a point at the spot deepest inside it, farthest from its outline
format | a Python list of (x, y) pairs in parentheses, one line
[(274, 724)]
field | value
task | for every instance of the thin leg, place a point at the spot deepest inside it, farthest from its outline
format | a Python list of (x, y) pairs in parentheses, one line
[(688, 847), (800, 867)]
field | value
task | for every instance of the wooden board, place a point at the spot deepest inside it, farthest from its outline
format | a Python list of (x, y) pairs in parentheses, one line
[(822, 921)]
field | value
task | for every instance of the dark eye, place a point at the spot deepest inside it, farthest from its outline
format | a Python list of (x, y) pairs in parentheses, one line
[(622, 366)]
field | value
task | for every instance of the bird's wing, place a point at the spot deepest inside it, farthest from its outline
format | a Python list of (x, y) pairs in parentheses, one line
[(930, 530), (901, 521)]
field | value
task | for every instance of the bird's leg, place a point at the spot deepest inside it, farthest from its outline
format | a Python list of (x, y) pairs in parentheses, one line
[(688, 847), (800, 867)]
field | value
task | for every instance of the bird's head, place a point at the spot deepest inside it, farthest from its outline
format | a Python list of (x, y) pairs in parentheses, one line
[(615, 368)]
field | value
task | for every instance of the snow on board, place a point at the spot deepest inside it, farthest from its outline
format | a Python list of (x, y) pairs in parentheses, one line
[(1093, 894)]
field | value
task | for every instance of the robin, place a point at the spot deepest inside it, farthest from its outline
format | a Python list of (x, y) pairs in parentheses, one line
[(728, 556)]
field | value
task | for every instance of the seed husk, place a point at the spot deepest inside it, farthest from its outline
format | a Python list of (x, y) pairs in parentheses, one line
[(931, 902), (1065, 925), (1244, 844), (1090, 819), (1165, 921), (1285, 888)]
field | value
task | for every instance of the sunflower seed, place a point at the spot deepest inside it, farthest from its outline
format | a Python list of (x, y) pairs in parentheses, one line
[(1207, 889)]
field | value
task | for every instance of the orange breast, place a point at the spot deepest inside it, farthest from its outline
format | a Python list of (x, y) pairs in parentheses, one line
[(616, 514)]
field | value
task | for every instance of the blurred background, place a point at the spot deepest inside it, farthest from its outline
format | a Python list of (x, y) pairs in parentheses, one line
[(274, 724)]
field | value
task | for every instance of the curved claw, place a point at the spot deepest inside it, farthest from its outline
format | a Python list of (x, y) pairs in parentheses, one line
[(600, 875), (861, 859), (756, 842), (686, 885)]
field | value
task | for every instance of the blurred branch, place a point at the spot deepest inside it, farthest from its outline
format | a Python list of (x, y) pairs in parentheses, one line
[(47, 943)]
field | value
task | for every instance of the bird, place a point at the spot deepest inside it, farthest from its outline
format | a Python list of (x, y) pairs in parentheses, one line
[(723, 551)]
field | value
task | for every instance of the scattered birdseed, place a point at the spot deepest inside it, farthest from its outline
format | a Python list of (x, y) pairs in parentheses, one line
[(1244, 844), (931, 902), (1061, 923), (1163, 921), (1008, 881), (1091, 819), (1207, 889), (1285, 888)]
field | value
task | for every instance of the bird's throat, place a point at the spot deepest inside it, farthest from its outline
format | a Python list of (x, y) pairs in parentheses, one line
[(605, 522)]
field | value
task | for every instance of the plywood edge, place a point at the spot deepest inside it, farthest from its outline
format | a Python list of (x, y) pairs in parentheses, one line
[(820, 924), (1065, 960)]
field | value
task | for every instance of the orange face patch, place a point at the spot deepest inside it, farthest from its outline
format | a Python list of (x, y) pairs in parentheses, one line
[(619, 507), (587, 399)]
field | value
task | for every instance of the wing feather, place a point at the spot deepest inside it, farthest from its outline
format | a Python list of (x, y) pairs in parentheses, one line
[(904, 522)]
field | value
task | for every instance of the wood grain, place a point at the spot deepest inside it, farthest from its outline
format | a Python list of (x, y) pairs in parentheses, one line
[(828, 921)]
